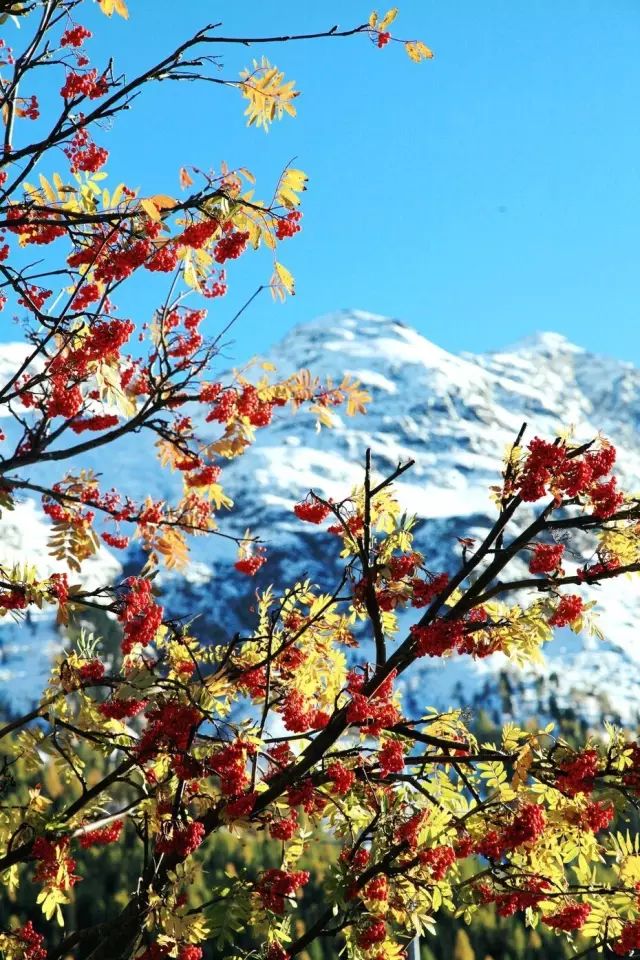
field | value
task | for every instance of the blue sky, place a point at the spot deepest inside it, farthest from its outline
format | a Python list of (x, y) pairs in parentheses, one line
[(489, 193)]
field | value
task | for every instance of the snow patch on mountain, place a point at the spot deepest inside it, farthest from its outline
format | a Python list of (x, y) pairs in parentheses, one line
[(453, 415)]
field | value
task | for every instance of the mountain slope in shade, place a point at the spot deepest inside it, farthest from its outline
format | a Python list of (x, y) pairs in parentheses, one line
[(454, 415)]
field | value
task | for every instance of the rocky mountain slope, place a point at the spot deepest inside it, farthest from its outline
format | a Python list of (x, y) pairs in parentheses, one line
[(454, 415)]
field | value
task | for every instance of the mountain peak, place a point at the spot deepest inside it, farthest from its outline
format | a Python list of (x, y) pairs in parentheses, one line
[(362, 344), (543, 341)]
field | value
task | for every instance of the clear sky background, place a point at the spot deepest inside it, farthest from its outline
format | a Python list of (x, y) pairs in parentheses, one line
[(479, 197)]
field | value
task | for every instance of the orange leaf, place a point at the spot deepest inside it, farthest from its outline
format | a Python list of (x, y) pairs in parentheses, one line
[(185, 178)]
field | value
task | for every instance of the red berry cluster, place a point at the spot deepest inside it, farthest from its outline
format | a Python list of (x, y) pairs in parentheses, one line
[(75, 36), (30, 109), (88, 293), (629, 940), (121, 709), (33, 941), (84, 154), (254, 682), (190, 952), (101, 421), (241, 806), (289, 225), (403, 566), (275, 951), (113, 540), (103, 342), (464, 846), (354, 525), (437, 637), (550, 468), (377, 889), (509, 903), (258, 412), (596, 816), (140, 615), (605, 498), (116, 264), (357, 859), (230, 765), (274, 886), (102, 835), (376, 712), (391, 758), (198, 234), (547, 558), (596, 570), (34, 297), (439, 860), (204, 477), (372, 934), (59, 587), (299, 715), (250, 565), (44, 231), (526, 827), (578, 774), (164, 260), (91, 670), (181, 839), (311, 510), (573, 916), (170, 728), (286, 828), (51, 855), (13, 600), (567, 611), (425, 591), (306, 796), (341, 777), (408, 831), (87, 84), (230, 247), (229, 404)]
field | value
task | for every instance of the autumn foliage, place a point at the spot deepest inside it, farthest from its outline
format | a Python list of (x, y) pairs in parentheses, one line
[(295, 730)]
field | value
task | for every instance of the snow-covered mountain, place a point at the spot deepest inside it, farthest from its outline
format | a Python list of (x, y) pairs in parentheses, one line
[(454, 415)]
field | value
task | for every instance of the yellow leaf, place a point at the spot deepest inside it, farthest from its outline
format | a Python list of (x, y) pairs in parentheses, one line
[(59, 185), (292, 182), (109, 7), (116, 196), (418, 51), (285, 277), (357, 401), (163, 201), (388, 18), (190, 274), (373, 19), (247, 174), (48, 190), (151, 210), (522, 766), (267, 94), (172, 545)]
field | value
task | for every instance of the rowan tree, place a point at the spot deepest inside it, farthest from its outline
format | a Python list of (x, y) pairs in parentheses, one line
[(295, 730)]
